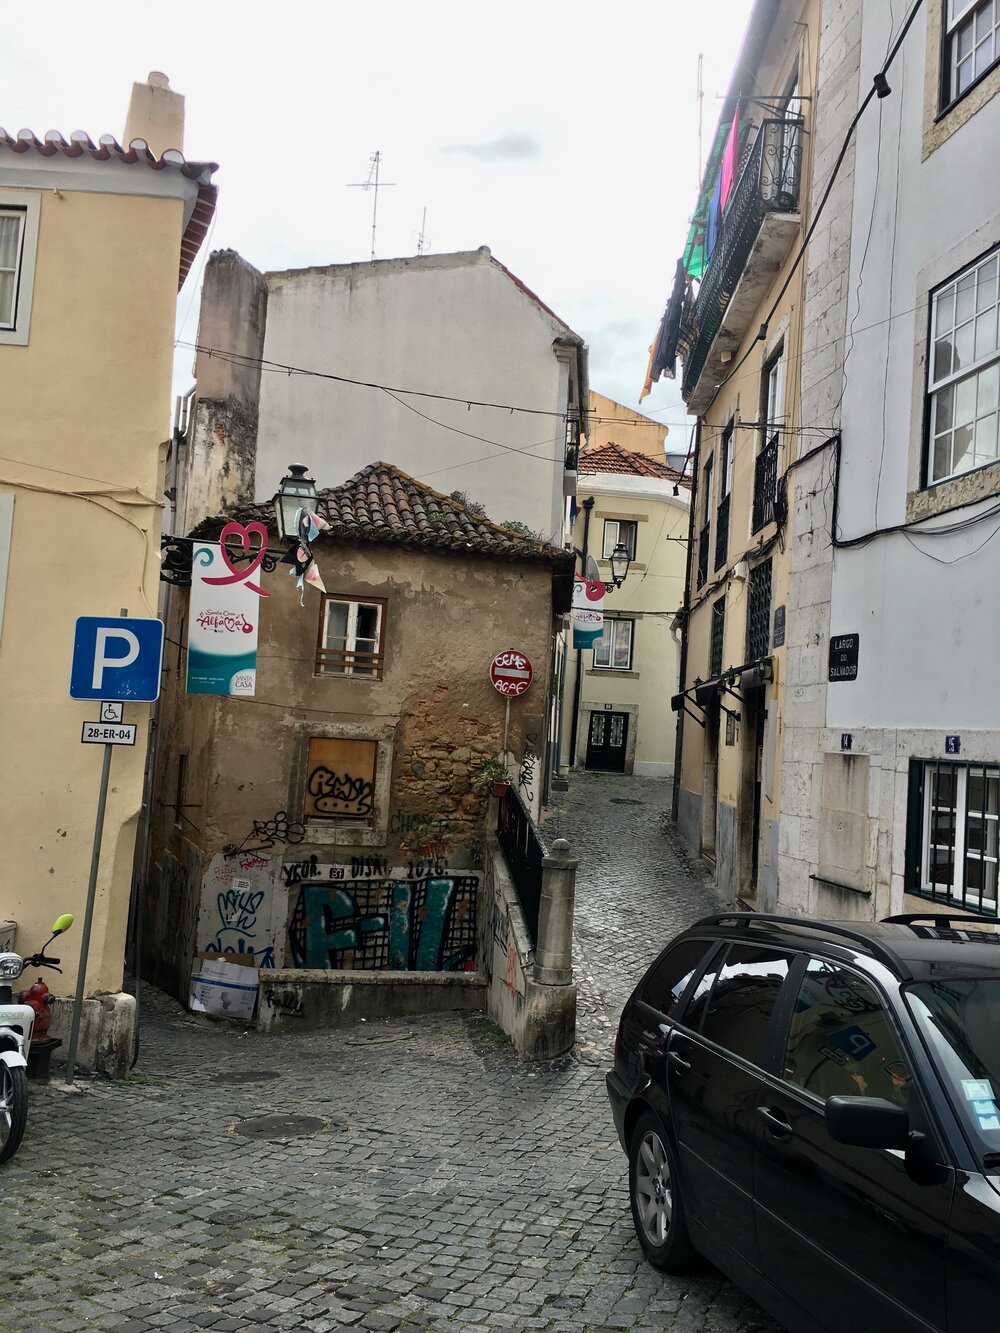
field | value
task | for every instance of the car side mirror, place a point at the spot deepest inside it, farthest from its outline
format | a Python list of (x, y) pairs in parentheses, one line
[(867, 1122)]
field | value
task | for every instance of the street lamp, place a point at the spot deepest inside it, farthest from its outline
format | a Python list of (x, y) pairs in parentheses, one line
[(294, 491), (620, 561)]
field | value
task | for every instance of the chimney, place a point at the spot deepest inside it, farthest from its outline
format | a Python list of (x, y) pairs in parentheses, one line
[(155, 114)]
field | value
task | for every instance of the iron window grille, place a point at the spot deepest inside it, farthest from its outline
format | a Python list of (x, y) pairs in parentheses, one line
[(718, 636), (953, 833), (722, 532), (963, 382), (703, 545), (765, 483), (351, 637), (759, 612), (613, 652), (971, 44)]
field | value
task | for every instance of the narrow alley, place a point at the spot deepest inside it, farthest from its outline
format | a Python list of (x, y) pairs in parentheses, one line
[(409, 1174)]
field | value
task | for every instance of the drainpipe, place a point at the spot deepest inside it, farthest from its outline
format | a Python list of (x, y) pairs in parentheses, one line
[(685, 616), (587, 506)]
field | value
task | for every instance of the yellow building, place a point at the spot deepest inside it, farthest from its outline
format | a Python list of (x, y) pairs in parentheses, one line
[(95, 241), (609, 422), (615, 714), (735, 319)]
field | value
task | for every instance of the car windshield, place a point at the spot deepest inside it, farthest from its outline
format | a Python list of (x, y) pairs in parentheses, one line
[(960, 1020)]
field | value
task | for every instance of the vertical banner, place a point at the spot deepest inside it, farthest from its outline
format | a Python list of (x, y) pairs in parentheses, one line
[(222, 625), (588, 611)]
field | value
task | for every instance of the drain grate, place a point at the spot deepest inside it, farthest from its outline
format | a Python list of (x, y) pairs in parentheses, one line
[(279, 1126), (624, 800)]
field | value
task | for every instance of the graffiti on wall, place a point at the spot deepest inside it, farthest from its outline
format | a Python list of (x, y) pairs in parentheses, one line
[(347, 796), (267, 833), (526, 774), (419, 917), (237, 929)]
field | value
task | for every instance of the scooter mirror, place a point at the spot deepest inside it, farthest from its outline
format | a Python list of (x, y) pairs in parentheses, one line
[(62, 923)]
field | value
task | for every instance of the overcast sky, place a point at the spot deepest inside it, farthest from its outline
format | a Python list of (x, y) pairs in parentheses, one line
[(564, 137)]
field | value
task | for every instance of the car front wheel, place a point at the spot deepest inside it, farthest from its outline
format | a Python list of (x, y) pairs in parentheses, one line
[(654, 1192)]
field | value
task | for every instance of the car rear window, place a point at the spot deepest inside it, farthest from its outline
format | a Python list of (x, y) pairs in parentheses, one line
[(742, 1000), (671, 973)]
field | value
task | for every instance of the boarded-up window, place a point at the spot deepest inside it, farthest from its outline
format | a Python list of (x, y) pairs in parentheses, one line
[(340, 779)]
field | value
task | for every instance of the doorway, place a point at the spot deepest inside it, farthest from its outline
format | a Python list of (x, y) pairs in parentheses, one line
[(748, 813), (607, 741)]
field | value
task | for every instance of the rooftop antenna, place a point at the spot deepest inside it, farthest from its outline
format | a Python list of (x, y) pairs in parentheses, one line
[(700, 96), (374, 184), (423, 240)]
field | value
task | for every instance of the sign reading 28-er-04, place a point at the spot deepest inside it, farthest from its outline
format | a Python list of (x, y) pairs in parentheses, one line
[(115, 657)]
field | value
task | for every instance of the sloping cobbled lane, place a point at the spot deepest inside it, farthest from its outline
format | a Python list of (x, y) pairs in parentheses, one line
[(440, 1185)]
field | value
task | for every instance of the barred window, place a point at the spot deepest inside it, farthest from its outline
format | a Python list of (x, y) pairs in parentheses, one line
[(954, 833)]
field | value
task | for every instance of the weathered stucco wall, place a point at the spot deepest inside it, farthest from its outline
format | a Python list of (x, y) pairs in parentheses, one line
[(448, 324)]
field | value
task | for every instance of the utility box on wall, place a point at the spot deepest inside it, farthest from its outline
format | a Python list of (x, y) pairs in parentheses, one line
[(8, 929)]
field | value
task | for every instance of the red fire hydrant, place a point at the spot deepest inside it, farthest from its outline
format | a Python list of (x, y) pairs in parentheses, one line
[(40, 1000)]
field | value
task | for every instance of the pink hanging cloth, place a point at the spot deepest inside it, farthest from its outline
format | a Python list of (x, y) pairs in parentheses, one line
[(730, 161)]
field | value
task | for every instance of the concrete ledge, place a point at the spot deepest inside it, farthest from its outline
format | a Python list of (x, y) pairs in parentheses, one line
[(107, 1032), (303, 999)]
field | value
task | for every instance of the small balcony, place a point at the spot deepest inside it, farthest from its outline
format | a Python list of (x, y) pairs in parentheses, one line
[(757, 233), (765, 484)]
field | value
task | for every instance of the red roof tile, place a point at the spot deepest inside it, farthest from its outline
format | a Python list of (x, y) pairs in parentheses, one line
[(384, 506), (108, 149), (612, 457)]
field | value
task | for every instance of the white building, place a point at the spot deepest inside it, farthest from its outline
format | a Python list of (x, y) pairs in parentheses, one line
[(891, 767), (418, 361)]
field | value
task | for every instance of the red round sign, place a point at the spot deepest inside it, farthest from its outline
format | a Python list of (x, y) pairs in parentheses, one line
[(510, 672)]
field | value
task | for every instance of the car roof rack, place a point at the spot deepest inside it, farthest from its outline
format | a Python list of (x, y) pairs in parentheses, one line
[(944, 919), (875, 947)]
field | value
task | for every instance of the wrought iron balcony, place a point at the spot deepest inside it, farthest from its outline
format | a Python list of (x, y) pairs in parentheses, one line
[(703, 544), (722, 532), (765, 484), (756, 235)]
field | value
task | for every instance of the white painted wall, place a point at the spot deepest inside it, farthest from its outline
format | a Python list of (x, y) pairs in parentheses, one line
[(449, 324), (930, 634)]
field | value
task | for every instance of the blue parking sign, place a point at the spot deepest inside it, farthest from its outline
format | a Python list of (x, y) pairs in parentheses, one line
[(116, 658)]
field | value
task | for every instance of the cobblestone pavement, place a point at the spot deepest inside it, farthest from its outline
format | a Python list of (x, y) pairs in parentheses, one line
[(442, 1184)]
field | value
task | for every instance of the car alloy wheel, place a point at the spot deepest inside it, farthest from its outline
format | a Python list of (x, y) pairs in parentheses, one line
[(653, 1188)]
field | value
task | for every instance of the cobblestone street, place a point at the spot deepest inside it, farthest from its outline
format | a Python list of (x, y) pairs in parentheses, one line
[(440, 1184)]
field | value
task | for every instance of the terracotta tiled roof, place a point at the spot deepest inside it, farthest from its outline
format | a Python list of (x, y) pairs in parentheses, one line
[(108, 149), (613, 457), (383, 506)]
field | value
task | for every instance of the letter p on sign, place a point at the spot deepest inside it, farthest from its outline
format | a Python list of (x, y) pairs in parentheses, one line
[(101, 659), (116, 658)]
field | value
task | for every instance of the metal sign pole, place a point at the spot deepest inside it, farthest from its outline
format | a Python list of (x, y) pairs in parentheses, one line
[(506, 728), (88, 916)]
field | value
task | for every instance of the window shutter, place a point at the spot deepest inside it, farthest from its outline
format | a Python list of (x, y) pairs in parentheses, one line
[(915, 825)]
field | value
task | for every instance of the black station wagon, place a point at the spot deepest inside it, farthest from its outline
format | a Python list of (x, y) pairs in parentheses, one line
[(815, 1108)]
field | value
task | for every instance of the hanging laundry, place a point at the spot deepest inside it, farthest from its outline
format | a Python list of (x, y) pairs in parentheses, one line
[(730, 162)]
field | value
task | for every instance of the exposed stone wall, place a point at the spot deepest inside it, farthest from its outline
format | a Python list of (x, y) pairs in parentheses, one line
[(825, 326)]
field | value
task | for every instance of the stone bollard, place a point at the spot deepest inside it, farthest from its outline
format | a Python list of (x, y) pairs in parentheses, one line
[(554, 952)]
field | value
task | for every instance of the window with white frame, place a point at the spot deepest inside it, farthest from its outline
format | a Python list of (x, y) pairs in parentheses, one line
[(351, 635), (18, 243), (619, 530), (972, 44), (953, 843), (613, 652), (964, 372)]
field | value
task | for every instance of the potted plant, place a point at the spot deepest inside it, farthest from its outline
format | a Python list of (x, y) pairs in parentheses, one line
[(493, 776)]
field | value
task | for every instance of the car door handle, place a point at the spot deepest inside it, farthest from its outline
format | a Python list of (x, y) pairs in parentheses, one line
[(776, 1124), (678, 1061)]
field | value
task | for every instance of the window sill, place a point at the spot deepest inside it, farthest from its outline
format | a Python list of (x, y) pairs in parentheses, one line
[(950, 904), (612, 671), (940, 125), (342, 833), (940, 496), (351, 679)]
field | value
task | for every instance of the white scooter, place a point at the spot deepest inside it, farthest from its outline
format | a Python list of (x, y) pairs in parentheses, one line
[(16, 1024)]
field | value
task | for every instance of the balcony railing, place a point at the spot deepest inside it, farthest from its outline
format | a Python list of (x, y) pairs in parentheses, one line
[(765, 484), (703, 544), (769, 183), (523, 849), (759, 612), (722, 532)]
